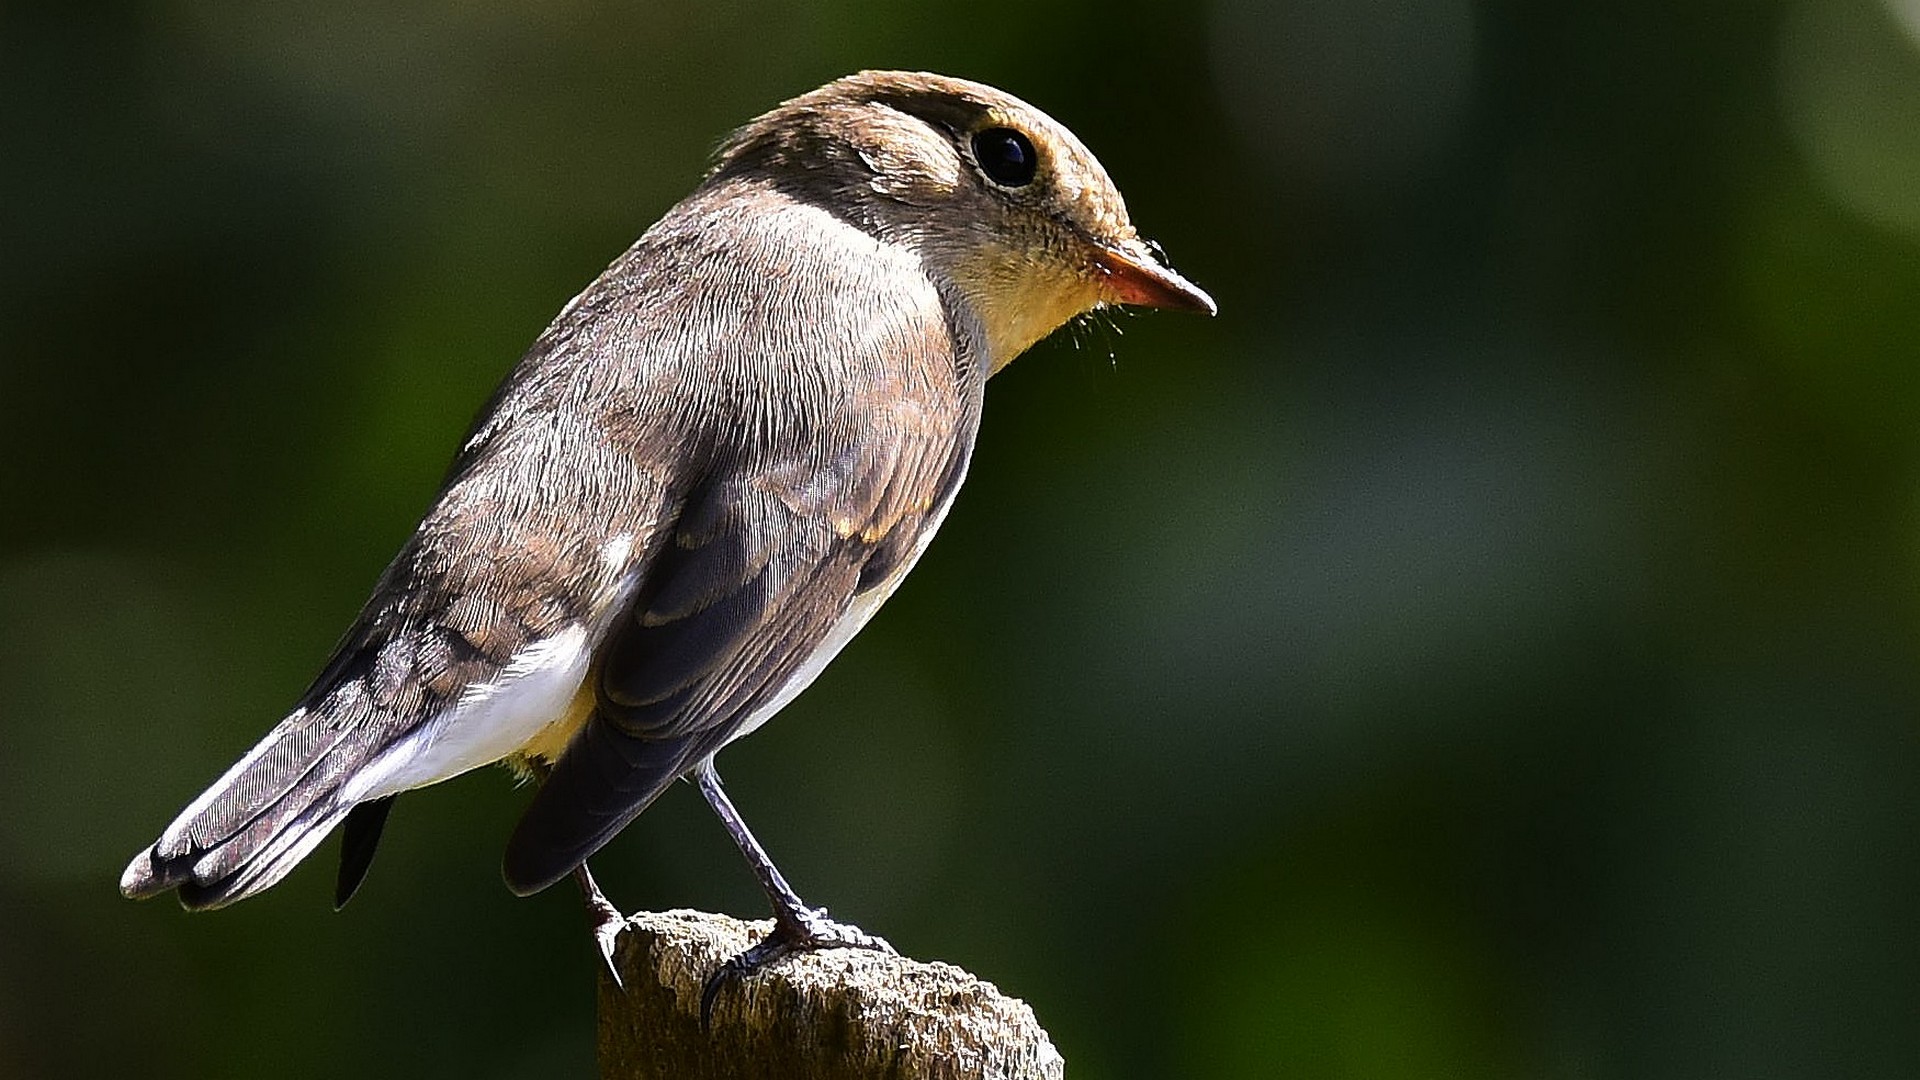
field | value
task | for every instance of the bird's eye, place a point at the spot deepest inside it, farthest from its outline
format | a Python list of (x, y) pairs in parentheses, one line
[(1006, 156)]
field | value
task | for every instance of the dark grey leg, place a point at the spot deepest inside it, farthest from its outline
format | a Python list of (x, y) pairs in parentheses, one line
[(603, 919), (796, 927)]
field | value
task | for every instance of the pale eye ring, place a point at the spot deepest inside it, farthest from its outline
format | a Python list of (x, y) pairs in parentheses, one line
[(1006, 156)]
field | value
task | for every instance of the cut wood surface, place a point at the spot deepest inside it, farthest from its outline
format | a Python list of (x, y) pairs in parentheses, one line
[(838, 1014)]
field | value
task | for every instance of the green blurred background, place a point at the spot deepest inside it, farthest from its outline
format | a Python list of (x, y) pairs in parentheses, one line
[(1488, 649)]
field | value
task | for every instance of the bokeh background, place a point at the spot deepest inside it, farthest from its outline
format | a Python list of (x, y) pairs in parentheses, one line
[(1488, 649)]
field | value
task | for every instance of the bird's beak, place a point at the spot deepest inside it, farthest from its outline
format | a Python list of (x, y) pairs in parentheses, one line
[(1136, 273)]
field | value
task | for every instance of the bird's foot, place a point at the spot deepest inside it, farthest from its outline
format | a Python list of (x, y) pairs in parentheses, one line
[(607, 925), (603, 920), (803, 930)]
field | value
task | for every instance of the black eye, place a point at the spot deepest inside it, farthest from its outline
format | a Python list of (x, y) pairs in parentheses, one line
[(1005, 156)]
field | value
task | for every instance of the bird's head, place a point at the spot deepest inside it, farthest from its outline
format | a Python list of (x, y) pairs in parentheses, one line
[(994, 196)]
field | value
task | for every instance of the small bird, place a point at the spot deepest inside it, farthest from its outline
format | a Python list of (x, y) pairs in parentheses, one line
[(692, 491)]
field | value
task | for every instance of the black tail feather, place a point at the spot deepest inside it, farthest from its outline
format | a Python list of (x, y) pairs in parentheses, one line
[(359, 838)]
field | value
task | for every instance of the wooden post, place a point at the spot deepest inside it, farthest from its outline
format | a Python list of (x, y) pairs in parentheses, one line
[(840, 1014)]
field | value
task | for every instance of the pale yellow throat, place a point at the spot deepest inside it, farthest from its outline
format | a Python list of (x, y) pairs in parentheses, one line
[(1021, 300)]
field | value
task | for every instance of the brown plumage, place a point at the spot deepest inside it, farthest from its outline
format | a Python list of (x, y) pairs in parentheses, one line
[(698, 483)]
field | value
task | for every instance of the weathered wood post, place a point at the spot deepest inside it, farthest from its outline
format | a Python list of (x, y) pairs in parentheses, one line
[(842, 1014)]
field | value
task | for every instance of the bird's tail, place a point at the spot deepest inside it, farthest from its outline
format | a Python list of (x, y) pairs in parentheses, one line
[(266, 814)]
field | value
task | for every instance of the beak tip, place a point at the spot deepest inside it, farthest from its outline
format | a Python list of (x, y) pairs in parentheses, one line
[(1142, 280), (1176, 293)]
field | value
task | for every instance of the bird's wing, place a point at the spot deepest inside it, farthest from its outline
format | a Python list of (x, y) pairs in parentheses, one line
[(773, 564)]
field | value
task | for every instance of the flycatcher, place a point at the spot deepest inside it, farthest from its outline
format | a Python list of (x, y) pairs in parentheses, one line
[(699, 483)]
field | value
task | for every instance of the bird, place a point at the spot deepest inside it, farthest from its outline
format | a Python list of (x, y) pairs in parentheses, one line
[(694, 488)]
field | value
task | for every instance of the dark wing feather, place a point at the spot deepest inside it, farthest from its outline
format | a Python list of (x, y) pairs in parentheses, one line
[(706, 595)]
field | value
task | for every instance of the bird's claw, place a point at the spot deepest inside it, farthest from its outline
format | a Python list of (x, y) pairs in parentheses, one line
[(606, 923), (606, 935), (807, 930)]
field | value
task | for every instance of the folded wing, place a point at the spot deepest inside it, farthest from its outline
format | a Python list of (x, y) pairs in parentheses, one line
[(774, 564)]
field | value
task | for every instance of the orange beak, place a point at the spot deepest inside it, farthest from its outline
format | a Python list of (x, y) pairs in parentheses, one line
[(1137, 273)]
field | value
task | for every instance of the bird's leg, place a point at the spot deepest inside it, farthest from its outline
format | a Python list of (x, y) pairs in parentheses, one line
[(603, 919), (796, 927)]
